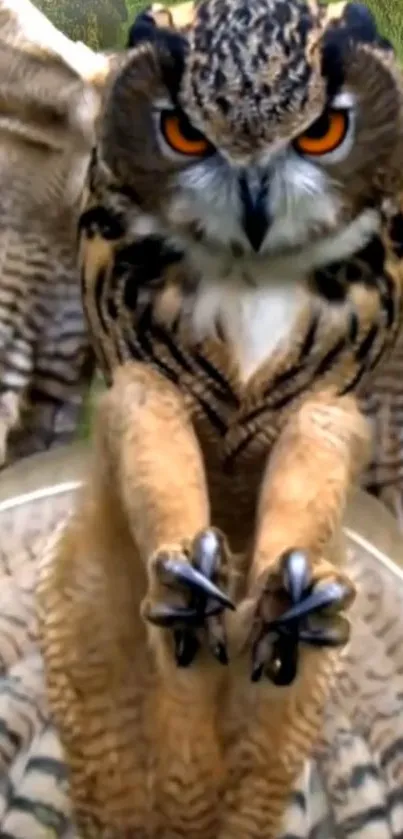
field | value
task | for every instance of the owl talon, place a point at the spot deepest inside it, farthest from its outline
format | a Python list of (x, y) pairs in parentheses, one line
[(207, 549), (296, 574), (279, 664), (185, 596), (312, 618), (168, 617), (336, 634), (220, 653), (194, 580), (186, 647), (217, 640), (331, 594), (261, 654)]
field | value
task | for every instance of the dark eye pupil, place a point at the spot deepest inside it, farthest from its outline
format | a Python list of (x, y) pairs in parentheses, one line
[(187, 130), (319, 128)]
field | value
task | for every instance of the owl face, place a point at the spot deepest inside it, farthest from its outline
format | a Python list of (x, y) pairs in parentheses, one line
[(262, 130)]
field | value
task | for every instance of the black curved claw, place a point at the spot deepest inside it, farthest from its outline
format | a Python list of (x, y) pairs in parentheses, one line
[(204, 601), (296, 574), (186, 647), (336, 633), (327, 595), (195, 581), (219, 651), (170, 616), (262, 651), (308, 620), (280, 666), (207, 549)]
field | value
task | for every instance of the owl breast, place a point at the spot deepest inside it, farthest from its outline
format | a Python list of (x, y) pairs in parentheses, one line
[(254, 303), (252, 319)]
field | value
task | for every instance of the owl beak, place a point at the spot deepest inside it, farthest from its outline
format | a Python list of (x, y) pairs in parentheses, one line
[(255, 216)]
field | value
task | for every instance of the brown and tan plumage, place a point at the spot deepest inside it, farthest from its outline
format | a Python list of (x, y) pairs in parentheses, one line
[(50, 92), (242, 282), (353, 784)]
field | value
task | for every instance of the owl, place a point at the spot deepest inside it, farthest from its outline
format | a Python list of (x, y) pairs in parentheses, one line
[(240, 251), (50, 93)]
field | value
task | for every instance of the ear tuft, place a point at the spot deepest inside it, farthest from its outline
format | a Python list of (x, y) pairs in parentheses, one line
[(356, 25), (170, 45), (142, 29), (361, 25), (360, 22)]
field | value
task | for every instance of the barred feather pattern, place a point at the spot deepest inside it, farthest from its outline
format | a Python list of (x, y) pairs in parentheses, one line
[(46, 133), (353, 787), (45, 356), (383, 404)]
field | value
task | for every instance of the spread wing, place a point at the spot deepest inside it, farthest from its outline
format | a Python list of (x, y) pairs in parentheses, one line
[(50, 92)]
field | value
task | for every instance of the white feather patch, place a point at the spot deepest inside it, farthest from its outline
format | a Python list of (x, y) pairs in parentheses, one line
[(254, 320)]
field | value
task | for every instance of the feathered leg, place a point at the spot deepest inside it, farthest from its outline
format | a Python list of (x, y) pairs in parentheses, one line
[(302, 501), (140, 733), (293, 596), (159, 475)]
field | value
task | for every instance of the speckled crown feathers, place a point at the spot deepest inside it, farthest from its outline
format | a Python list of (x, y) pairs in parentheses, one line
[(254, 67)]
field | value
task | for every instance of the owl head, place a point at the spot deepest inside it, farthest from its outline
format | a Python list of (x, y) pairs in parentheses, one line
[(264, 126)]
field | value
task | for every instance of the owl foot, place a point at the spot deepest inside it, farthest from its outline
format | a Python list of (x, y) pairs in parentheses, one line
[(185, 596), (309, 615)]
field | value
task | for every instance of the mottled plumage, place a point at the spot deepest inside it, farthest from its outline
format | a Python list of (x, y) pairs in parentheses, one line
[(242, 282), (50, 92)]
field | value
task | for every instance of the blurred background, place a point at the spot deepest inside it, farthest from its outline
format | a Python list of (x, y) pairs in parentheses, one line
[(102, 24)]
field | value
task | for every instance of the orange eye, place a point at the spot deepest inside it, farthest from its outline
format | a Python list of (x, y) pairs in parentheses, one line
[(325, 135), (181, 136)]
